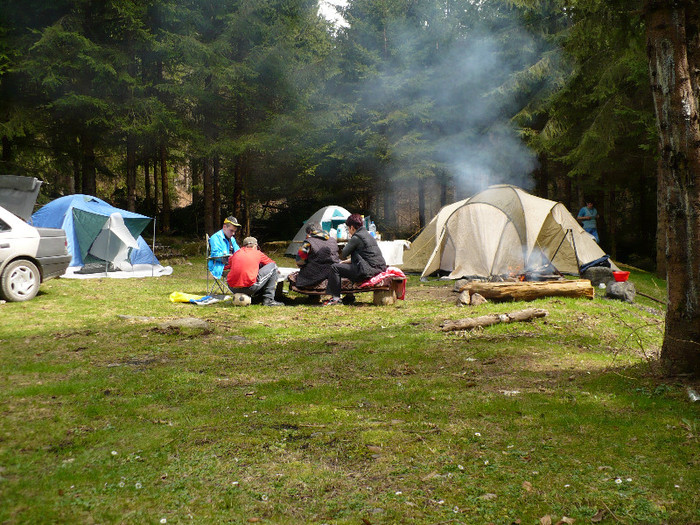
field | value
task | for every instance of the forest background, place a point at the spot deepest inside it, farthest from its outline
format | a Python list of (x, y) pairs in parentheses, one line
[(191, 110)]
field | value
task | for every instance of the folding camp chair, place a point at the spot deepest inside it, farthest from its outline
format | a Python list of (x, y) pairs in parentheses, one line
[(217, 285)]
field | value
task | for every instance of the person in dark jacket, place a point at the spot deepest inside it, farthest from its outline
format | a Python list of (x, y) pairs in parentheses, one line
[(315, 257), (365, 261)]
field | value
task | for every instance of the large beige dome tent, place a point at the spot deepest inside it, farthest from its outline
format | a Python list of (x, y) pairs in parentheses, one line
[(502, 230)]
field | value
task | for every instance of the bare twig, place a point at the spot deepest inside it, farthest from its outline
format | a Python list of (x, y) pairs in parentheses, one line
[(611, 512)]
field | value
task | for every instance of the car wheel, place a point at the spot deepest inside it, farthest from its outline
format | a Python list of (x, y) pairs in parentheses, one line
[(20, 281)]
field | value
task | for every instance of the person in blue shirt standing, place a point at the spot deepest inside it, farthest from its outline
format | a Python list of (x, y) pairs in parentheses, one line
[(222, 245), (588, 216)]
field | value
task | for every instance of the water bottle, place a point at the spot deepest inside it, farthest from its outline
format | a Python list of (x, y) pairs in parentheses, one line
[(372, 229)]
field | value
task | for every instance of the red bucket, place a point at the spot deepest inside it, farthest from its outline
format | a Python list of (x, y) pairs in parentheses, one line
[(621, 277)]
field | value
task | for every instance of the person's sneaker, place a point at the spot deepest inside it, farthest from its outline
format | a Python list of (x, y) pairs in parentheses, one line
[(333, 302), (272, 303)]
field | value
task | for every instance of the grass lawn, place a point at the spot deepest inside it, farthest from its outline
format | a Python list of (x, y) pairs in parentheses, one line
[(352, 414)]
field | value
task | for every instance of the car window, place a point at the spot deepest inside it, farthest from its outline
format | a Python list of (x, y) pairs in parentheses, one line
[(4, 227)]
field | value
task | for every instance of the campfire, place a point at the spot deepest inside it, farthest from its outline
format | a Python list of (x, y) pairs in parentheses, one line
[(539, 274)]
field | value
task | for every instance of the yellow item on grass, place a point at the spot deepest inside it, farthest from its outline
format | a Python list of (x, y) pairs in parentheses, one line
[(181, 297)]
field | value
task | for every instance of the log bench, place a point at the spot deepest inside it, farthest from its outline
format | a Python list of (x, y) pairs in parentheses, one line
[(384, 292)]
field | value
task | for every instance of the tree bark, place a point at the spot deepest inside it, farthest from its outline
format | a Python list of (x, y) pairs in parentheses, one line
[(130, 174), (421, 203), (77, 177), (208, 195), (660, 225), (671, 30), (488, 320), (89, 178), (238, 178), (165, 187), (215, 180), (156, 186), (147, 183)]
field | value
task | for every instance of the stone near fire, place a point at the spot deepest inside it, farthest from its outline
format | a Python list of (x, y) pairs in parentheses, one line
[(598, 275), (478, 299), (624, 291)]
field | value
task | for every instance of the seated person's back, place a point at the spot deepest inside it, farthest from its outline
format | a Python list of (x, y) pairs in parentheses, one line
[(315, 257)]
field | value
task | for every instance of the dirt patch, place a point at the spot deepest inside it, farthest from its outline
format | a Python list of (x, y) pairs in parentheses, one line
[(426, 293)]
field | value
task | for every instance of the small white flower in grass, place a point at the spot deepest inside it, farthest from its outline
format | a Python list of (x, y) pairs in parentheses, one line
[(460, 467), (398, 492), (477, 434), (628, 480), (567, 486), (114, 452), (137, 485), (121, 483), (263, 497), (486, 462), (440, 502), (618, 480), (163, 520), (455, 509), (234, 483)]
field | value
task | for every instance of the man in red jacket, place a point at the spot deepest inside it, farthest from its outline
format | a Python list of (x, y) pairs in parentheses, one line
[(253, 273)]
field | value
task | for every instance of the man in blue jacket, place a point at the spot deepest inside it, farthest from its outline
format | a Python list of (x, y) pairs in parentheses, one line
[(222, 245)]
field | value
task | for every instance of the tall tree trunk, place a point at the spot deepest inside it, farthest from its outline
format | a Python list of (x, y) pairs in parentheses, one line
[(77, 177), (443, 188), (130, 174), (156, 186), (89, 176), (610, 220), (216, 168), (421, 203), (209, 224), (196, 183), (165, 187), (147, 183), (238, 177), (672, 28), (661, 225), (540, 176), (563, 184)]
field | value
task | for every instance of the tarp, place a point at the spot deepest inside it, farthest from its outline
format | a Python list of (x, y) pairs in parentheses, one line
[(328, 217), (100, 233), (502, 230)]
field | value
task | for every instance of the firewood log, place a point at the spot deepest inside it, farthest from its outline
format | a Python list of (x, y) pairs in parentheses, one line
[(491, 319), (531, 290)]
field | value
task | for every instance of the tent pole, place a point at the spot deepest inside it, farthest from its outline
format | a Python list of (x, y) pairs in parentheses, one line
[(153, 243), (573, 241), (551, 260)]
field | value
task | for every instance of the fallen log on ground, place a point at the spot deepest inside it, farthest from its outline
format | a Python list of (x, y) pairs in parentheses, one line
[(487, 320), (531, 290)]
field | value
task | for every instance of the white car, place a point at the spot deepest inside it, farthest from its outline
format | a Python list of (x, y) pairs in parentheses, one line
[(28, 256)]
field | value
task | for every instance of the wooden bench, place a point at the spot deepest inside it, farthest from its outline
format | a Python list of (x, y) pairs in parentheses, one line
[(384, 293)]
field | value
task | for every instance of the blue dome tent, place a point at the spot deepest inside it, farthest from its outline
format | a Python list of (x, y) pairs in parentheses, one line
[(105, 238)]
